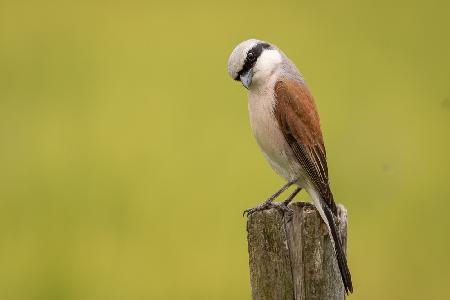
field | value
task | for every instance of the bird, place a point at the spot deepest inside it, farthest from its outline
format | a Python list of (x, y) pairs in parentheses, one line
[(286, 125)]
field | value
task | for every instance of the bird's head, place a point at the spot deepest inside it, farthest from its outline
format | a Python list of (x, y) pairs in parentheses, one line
[(253, 61)]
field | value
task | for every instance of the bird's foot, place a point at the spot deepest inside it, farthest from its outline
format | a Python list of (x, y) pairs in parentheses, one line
[(282, 206)]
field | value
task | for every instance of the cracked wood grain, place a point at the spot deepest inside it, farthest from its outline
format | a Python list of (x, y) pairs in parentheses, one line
[(294, 260)]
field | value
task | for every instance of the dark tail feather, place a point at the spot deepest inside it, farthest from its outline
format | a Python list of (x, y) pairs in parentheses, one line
[(340, 256)]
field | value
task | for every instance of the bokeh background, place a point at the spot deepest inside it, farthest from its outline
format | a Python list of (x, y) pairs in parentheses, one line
[(126, 155)]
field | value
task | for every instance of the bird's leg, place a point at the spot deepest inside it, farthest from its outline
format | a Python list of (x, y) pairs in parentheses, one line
[(292, 196), (269, 202)]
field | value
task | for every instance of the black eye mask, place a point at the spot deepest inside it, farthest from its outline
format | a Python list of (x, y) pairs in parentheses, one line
[(252, 56)]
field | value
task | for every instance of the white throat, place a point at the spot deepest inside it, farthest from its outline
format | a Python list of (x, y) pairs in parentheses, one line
[(267, 65)]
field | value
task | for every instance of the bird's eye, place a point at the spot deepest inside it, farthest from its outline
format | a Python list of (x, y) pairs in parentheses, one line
[(250, 56)]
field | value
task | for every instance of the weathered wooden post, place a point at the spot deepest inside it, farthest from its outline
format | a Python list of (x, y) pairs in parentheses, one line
[(294, 260)]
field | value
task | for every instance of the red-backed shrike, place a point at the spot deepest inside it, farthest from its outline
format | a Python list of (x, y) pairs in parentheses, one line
[(286, 125)]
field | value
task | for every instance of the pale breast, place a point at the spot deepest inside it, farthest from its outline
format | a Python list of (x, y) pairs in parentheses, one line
[(268, 135)]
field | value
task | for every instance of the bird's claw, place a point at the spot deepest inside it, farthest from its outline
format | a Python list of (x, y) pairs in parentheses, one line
[(260, 207), (287, 212)]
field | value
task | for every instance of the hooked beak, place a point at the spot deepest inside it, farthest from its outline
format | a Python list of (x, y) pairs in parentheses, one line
[(246, 78)]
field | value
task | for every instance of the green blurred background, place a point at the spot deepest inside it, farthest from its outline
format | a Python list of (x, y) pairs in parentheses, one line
[(127, 158)]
